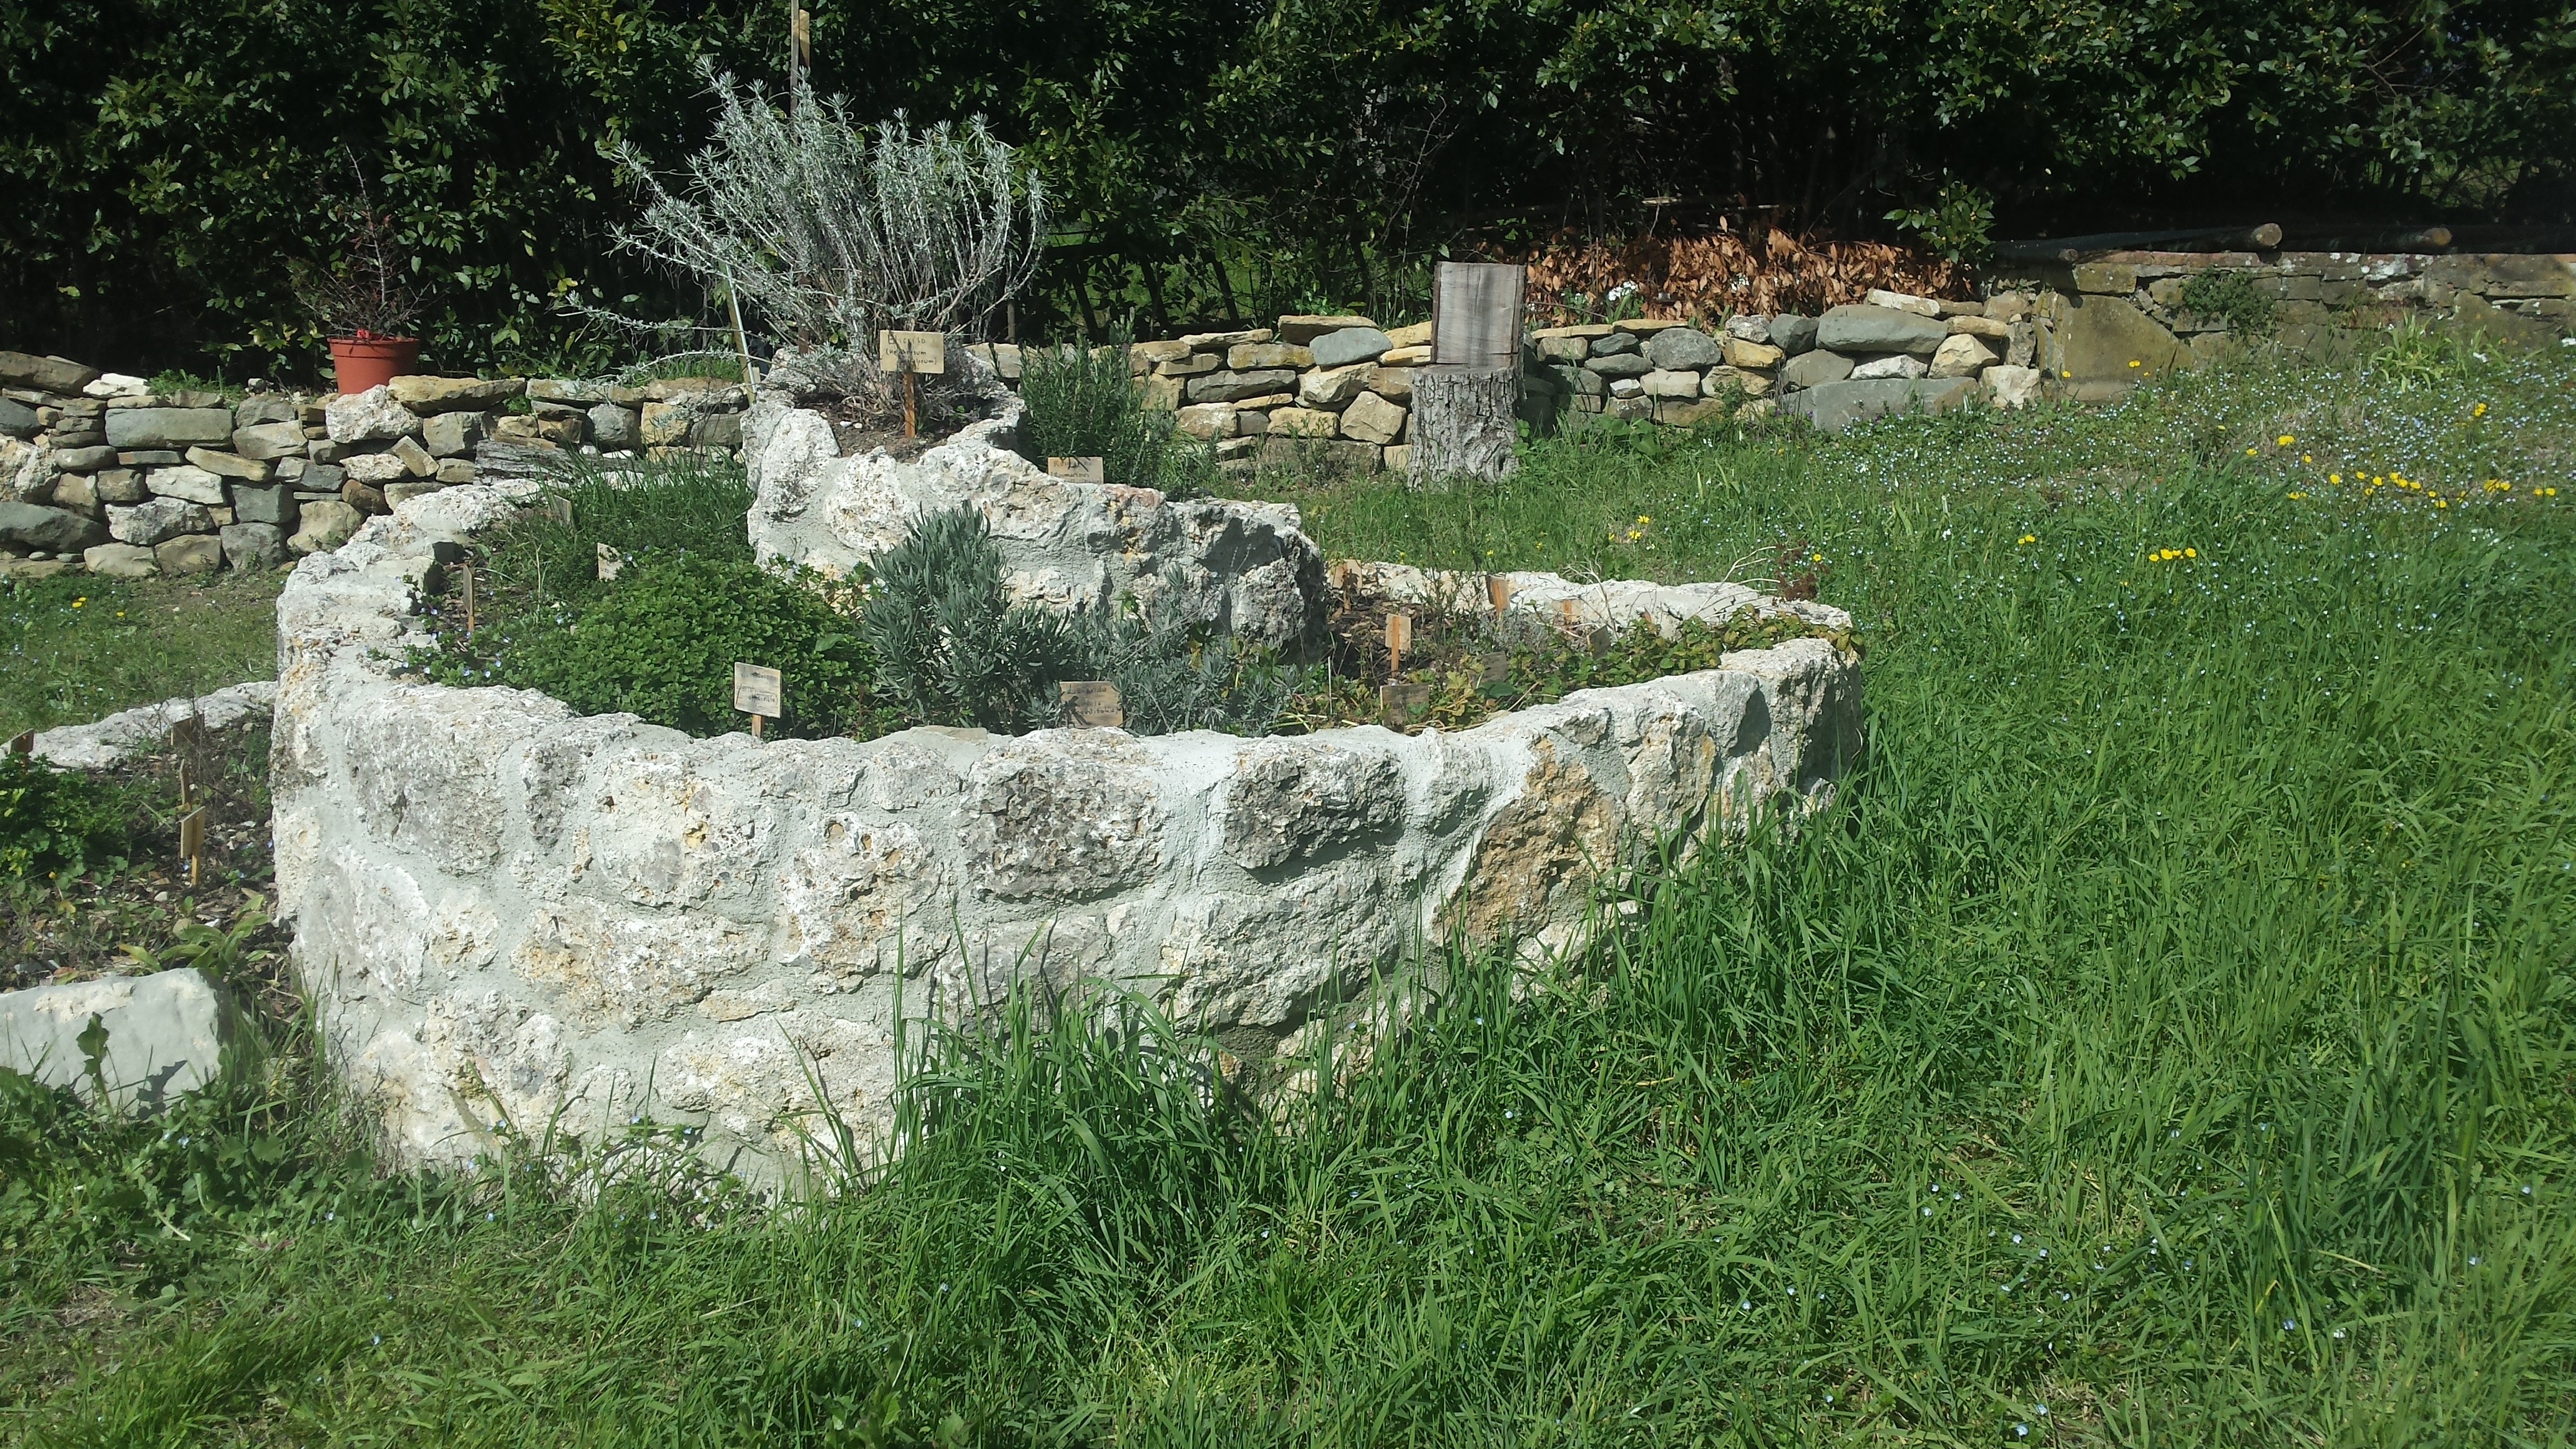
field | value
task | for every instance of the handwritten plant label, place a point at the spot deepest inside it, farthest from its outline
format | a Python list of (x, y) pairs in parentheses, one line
[(1092, 704), (611, 563), (1398, 703), (1079, 470), (756, 690), (922, 352)]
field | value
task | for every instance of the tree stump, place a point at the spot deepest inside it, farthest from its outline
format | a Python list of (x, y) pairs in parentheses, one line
[(1463, 424)]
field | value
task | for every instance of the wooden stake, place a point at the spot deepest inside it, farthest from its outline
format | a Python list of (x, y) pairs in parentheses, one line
[(1399, 637), (469, 603), (192, 840), (910, 403), (1499, 590)]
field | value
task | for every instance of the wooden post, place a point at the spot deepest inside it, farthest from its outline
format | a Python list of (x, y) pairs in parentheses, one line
[(192, 840), (1498, 590), (1466, 403), (469, 603), (912, 353), (1399, 637), (756, 692), (1464, 424)]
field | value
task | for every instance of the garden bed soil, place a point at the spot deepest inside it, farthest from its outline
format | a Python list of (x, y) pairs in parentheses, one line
[(145, 915)]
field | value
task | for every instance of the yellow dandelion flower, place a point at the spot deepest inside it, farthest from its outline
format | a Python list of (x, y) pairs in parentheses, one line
[(2307, 457), (76, 603), (2479, 411), (2296, 494), (2133, 362), (2249, 452), (2191, 553), (2334, 477), (2027, 538), (1641, 518), (2285, 440)]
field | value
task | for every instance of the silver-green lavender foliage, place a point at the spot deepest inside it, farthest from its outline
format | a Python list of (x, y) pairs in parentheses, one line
[(832, 230)]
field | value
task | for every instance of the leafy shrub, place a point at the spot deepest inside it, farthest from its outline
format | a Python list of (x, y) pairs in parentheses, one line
[(950, 646), (662, 642), (1084, 402), (2231, 297), (57, 822)]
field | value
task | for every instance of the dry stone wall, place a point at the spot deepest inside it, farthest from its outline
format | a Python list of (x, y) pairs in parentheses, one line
[(98, 473), (507, 913), (2102, 324)]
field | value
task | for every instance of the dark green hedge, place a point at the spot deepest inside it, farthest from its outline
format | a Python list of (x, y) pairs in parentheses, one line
[(162, 160)]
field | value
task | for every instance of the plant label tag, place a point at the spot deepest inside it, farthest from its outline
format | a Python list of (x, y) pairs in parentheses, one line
[(23, 743), (1092, 704), (611, 563), (1498, 591), (187, 736), (559, 508), (192, 835), (1399, 633), (1398, 703), (923, 352), (755, 690), (1079, 470)]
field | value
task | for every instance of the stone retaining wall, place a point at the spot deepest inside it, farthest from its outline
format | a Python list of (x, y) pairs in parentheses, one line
[(99, 473), (507, 912)]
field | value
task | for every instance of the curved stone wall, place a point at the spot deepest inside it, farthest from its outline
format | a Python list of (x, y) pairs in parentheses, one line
[(503, 910)]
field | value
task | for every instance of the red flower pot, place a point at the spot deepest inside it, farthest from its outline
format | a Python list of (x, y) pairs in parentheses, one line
[(365, 362)]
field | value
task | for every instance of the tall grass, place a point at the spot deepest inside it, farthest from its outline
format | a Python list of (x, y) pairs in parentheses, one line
[(2166, 1039)]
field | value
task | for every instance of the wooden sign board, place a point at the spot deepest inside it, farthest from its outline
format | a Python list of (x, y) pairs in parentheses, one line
[(1476, 314), (756, 690), (559, 508), (611, 563), (1397, 703), (922, 352), (23, 743), (1399, 633), (1499, 590), (1092, 704), (1079, 470), (192, 840)]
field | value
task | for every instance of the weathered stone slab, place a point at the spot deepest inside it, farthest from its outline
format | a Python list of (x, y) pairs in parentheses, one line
[(163, 1036), (1852, 329), (168, 427), (54, 530), (1835, 406)]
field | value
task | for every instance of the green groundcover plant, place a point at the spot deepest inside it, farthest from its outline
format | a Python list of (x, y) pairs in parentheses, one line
[(56, 822)]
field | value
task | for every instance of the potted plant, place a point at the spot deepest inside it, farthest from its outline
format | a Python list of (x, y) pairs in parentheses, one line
[(362, 304)]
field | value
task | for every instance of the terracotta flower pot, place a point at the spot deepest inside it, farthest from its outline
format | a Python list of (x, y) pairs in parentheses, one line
[(365, 362)]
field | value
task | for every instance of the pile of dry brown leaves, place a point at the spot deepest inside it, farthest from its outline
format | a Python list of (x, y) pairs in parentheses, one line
[(1705, 278)]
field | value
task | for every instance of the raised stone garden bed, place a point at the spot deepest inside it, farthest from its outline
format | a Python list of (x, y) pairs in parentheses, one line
[(507, 912)]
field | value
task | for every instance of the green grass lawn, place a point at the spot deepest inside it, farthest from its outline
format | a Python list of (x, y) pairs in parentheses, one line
[(2169, 1038), (77, 648)]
